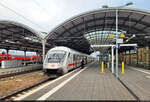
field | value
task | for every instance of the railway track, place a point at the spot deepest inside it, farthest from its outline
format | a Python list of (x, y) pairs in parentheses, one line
[(18, 72), (26, 89), (21, 91), (29, 87)]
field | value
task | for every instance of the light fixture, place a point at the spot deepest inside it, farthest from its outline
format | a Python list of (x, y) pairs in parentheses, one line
[(129, 3)]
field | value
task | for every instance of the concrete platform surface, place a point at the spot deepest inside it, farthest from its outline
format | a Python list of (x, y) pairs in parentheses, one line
[(84, 84), (138, 80)]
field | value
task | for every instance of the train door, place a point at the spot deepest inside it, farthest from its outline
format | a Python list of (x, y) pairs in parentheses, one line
[(69, 62), (77, 61), (74, 61)]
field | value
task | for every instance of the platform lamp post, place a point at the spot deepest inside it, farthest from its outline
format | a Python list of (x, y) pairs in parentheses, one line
[(116, 36)]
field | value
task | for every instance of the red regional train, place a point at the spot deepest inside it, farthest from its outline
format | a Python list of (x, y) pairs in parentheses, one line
[(33, 58)]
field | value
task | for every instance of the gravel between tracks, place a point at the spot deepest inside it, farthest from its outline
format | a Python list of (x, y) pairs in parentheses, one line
[(20, 81)]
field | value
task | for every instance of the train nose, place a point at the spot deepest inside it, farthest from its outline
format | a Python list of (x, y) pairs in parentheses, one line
[(52, 66), (55, 65)]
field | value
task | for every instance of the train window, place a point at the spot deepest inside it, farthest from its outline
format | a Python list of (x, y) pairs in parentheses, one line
[(77, 57), (56, 57), (74, 57), (69, 55)]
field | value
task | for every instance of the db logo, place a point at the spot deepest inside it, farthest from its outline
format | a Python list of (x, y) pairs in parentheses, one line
[(53, 65)]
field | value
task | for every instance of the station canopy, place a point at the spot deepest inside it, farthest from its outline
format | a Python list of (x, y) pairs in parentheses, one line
[(94, 28), (16, 36)]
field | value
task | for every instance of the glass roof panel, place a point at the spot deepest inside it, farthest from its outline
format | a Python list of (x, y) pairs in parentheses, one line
[(101, 37)]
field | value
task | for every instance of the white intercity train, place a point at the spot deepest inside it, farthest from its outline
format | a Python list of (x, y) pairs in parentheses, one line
[(62, 59)]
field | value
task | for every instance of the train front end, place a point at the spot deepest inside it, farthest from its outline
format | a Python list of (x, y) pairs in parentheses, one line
[(54, 62)]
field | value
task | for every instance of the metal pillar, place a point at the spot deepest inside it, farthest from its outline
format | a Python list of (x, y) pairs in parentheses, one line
[(25, 57), (117, 43), (36, 57), (40, 57), (137, 57), (129, 56), (7, 52), (125, 58), (149, 56), (43, 44), (141, 52), (112, 59)]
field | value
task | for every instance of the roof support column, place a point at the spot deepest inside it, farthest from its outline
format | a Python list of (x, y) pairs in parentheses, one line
[(137, 57), (149, 56), (36, 57), (141, 53), (43, 44), (7, 52), (39, 57), (25, 57), (112, 59), (130, 57)]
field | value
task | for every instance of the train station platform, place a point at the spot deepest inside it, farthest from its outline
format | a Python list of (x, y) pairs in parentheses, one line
[(138, 80), (20, 69), (81, 84)]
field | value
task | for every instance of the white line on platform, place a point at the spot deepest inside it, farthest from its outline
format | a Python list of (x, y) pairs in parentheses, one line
[(41, 87), (22, 97), (45, 96), (147, 77), (141, 70)]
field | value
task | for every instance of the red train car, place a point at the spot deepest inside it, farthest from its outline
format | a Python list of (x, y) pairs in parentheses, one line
[(33, 58), (3, 57)]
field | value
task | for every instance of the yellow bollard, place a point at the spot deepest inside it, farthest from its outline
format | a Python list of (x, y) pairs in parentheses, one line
[(102, 66), (122, 67)]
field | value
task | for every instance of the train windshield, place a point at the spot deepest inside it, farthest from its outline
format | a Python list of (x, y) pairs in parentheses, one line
[(56, 56)]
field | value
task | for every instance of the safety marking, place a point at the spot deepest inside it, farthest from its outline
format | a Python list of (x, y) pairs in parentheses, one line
[(19, 95), (13, 97), (122, 67), (102, 67), (41, 87), (45, 96), (140, 70), (20, 98)]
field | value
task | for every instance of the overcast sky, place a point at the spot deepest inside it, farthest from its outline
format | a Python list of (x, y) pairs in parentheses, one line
[(44, 15)]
